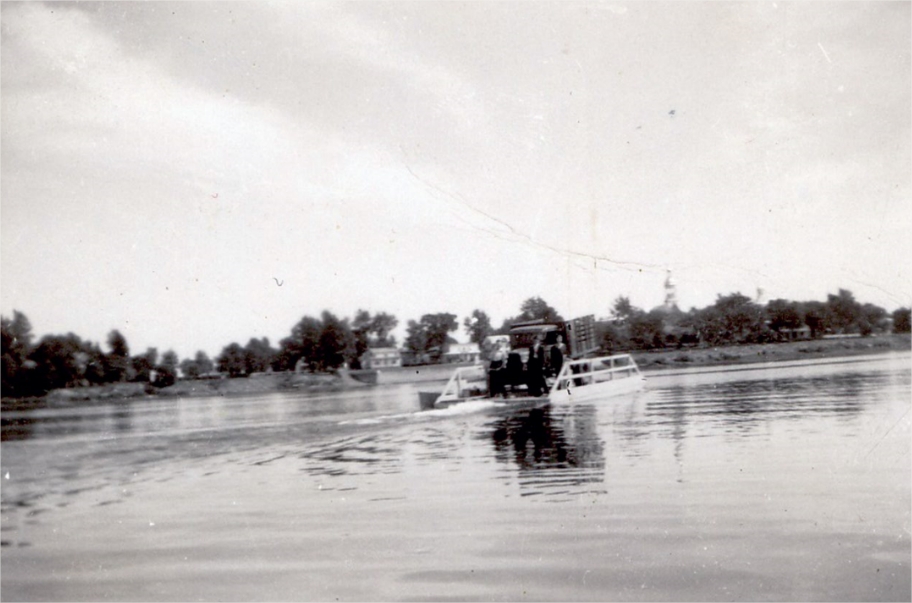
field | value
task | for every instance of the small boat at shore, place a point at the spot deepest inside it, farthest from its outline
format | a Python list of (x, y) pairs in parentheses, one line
[(580, 380)]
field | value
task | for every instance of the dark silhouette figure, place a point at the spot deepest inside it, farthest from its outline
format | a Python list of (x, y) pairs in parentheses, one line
[(556, 359), (514, 376), (535, 369)]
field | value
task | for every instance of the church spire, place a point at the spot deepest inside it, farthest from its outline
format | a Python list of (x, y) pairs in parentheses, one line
[(671, 296)]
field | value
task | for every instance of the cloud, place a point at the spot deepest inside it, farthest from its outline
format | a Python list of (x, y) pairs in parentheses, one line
[(399, 156)]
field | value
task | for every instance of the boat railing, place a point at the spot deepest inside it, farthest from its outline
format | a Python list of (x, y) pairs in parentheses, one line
[(586, 371), (466, 382)]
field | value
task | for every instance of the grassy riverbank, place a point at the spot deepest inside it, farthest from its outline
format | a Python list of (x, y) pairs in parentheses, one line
[(190, 388), (772, 352), (652, 360)]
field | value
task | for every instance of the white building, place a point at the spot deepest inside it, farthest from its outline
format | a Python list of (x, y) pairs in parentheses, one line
[(375, 358), (462, 352)]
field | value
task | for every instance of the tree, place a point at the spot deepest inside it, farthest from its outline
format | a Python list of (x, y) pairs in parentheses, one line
[(901, 320), (144, 364), (688, 332), (373, 331), (118, 364), (96, 370), (17, 334), (302, 343), (784, 314), (361, 328), (17, 345), (438, 327), (646, 330), (623, 309), (198, 366), (336, 343), (60, 361), (203, 363), (118, 344), (735, 319), (166, 371), (258, 355), (477, 326), (871, 318), (382, 326), (632, 327), (231, 360), (535, 308), (189, 369), (613, 337), (843, 312), (325, 343), (815, 317), (416, 337), (430, 335)]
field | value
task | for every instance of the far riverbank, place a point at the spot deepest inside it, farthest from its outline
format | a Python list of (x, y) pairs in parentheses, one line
[(816, 349), (649, 362)]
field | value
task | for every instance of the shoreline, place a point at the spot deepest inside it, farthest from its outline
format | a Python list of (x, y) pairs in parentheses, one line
[(742, 356), (771, 364), (655, 362)]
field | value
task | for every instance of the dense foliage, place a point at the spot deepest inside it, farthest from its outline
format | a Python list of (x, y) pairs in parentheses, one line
[(736, 319), (329, 342), (534, 308), (58, 361), (427, 338)]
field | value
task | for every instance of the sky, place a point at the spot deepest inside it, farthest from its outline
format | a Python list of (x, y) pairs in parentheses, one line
[(199, 173)]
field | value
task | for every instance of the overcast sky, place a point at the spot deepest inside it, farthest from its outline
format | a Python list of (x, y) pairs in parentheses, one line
[(198, 173)]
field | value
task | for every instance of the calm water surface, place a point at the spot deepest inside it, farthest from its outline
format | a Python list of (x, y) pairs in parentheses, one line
[(788, 483)]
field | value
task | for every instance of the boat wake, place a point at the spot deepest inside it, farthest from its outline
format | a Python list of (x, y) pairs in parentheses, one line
[(465, 408)]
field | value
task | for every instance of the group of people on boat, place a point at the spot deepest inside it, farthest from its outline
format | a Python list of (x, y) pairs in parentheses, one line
[(508, 373)]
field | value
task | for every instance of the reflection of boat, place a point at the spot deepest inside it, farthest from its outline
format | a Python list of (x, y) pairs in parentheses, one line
[(584, 379), (557, 449)]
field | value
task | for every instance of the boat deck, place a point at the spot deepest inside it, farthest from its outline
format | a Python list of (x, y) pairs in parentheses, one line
[(578, 380)]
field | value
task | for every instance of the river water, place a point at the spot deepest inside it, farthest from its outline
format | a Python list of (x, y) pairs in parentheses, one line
[(786, 483)]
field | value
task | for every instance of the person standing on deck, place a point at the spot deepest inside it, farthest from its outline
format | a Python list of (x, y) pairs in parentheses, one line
[(535, 367), (556, 358), (497, 373)]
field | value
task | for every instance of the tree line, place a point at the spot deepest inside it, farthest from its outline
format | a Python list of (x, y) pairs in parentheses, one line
[(737, 319), (328, 342)]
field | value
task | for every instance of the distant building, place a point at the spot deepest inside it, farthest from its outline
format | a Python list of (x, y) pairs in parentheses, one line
[(670, 306), (672, 332), (375, 358), (462, 352), (801, 333)]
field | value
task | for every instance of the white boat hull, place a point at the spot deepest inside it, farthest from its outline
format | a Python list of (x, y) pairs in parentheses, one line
[(598, 391), (584, 380)]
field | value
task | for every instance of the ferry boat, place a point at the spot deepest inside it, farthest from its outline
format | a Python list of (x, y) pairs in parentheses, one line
[(580, 378)]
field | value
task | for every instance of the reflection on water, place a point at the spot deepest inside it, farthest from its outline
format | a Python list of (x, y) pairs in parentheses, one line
[(750, 474), (746, 406), (17, 427), (554, 447), (356, 455), (172, 415)]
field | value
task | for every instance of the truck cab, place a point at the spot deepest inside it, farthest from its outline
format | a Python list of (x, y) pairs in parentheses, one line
[(578, 336)]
